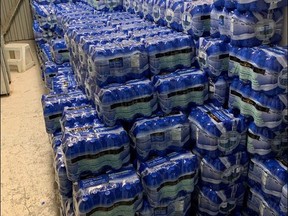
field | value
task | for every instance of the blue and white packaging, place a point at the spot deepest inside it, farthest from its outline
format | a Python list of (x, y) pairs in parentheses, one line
[(220, 202), (223, 172), (214, 21), (157, 135), (250, 29), (181, 90), (173, 14), (53, 105), (195, 16), (180, 206), (64, 83), (64, 184), (265, 68), (159, 8), (118, 62), (270, 175), (218, 90), (78, 116), (266, 111), (257, 204), (95, 150), (164, 179), (116, 102), (259, 5), (60, 51), (147, 8), (170, 52), (216, 131), (265, 142), (213, 56), (115, 193)]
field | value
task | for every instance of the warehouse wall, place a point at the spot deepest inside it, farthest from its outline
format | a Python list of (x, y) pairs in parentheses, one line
[(21, 26)]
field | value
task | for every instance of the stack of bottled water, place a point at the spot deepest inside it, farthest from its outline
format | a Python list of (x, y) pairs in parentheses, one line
[(191, 17), (220, 139), (257, 70), (130, 100)]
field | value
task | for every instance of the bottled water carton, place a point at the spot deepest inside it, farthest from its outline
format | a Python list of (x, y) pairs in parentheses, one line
[(265, 142), (118, 62), (158, 12), (115, 193), (219, 90), (216, 131), (67, 208), (173, 14), (78, 116), (213, 56), (178, 207), (195, 17), (270, 175), (164, 179), (45, 15), (94, 150), (257, 204), (60, 51), (170, 52), (181, 89), (266, 111), (50, 70), (220, 202), (261, 5), (125, 102), (265, 68), (53, 105), (248, 29), (223, 172), (62, 83), (159, 134)]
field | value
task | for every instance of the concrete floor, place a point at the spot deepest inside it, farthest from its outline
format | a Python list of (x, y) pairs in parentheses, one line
[(27, 174)]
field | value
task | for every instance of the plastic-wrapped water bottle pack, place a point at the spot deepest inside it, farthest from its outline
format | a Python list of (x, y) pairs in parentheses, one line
[(157, 135), (64, 82), (94, 150), (216, 131), (224, 202), (50, 70), (125, 102), (265, 68), (164, 179), (180, 206), (247, 29), (102, 5), (259, 205), (213, 56), (223, 172), (192, 17), (265, 142), (59, 51), (270, 175), (181, 90), (266, 111), (114, 193), (53, 105), (74, 117)]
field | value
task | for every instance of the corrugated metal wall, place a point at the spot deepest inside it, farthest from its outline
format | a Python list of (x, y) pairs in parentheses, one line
[(21, 26)]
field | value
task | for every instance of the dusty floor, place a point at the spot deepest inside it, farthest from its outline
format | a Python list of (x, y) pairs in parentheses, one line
[(27, 175)]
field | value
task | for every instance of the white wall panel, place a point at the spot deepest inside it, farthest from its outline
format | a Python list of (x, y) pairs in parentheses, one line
[(21, 25)]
